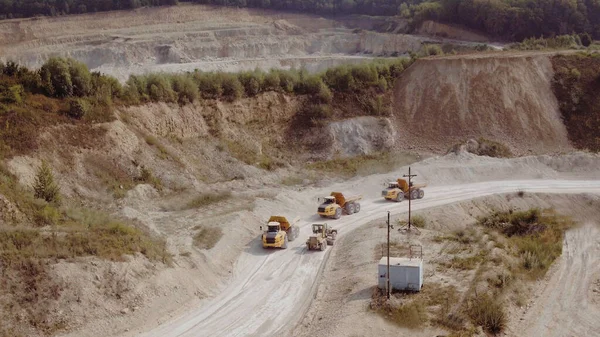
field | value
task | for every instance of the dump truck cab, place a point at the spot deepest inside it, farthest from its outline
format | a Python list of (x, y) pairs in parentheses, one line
[(334, 205), (278, 232), (400, 189), (393, 192)]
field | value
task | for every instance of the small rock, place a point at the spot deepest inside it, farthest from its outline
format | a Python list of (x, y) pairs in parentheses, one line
[(136, 308), (125, 311)]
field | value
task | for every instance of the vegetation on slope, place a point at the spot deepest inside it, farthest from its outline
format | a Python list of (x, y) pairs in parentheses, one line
[(505, 250), (36, 232), (576, 84)]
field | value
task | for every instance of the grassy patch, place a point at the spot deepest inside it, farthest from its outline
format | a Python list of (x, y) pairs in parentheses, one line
[(248, 156), (207, 237), (467, 263), (410, 312), (163, 152), (537, 235), (146, 177), (487, 310), (381, 162), (208, 199)]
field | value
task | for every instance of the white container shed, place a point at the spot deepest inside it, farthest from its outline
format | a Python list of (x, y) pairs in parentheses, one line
[(405, 273)]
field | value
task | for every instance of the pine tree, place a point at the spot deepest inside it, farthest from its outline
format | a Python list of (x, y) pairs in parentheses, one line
[(44, 185)]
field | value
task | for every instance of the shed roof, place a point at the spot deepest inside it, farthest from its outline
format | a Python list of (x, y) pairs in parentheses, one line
[(401, 261)]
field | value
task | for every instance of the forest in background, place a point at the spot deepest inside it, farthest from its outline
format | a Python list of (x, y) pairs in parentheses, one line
[(506, 19)]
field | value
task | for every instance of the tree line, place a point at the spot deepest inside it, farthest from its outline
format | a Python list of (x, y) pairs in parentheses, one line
[(29, 8)]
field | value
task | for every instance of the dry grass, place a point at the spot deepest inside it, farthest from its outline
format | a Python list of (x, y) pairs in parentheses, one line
[(163, 152), (248, 156), (207, 199), (487, 311), (381, 162), (410, 312), (207, 237), (26, 254), (537, 235)]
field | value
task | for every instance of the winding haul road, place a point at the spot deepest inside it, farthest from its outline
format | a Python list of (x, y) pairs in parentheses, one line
[(271, 289)]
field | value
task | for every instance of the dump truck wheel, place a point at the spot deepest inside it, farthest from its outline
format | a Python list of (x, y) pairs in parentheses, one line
[(338, 213), (308, 246), (322, 216), (285, 242), (333, 235), (421, 194), (330, 242), (356, 207), (350, 208), (323, 245), (414, 194), (400, 197)]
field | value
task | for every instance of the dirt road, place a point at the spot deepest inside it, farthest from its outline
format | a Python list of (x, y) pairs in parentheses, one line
[(564, 305), (271, 289)]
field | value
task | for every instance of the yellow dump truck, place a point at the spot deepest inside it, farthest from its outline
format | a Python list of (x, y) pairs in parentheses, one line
[(398, 190), (279, 231), (323, 235), (334, 205)]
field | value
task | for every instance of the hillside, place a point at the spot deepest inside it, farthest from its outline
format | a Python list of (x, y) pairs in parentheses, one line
[(167, 179)]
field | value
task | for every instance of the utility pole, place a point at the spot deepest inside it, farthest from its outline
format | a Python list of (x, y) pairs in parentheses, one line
[(387, 274), (409, 194)]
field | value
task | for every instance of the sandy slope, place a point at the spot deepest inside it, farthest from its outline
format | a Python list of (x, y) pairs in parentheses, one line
[(565, 304), (271, 289)]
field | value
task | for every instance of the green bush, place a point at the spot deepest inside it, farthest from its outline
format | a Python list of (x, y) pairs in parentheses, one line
[(159, 88), (288, 80), (272, 81), (210, 84), (252, 82), (78, 108), (56, 78), (80, 77), (44, 186), (232, 88), (185, 89)]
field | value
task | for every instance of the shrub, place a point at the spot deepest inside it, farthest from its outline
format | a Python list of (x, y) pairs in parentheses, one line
[(208, 199), (159, 88), (78, 108), (252, 82), (232, 88), (56, 78), (586, 39), (44, 186), (432, 50), (185, 88), (272, 81), (487, 311), (80, 77), (209, 84), (288, 81)]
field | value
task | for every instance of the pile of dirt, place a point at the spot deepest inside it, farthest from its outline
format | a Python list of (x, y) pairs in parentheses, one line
[(442, 101)]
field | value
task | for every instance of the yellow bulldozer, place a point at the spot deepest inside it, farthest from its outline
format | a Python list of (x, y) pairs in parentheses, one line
[(279, 231), (334, 205), (400, 189), (322, 236)]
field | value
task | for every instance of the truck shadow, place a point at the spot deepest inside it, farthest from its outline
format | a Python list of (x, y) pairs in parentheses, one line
[(255, 248)]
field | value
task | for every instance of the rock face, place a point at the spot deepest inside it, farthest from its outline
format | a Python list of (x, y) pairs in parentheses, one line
[(505, 98)]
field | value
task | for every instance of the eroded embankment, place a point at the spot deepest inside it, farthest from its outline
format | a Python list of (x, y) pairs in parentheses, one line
[(438, 102)]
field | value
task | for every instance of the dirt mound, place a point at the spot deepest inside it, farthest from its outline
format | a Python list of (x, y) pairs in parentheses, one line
[(441, 101)]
